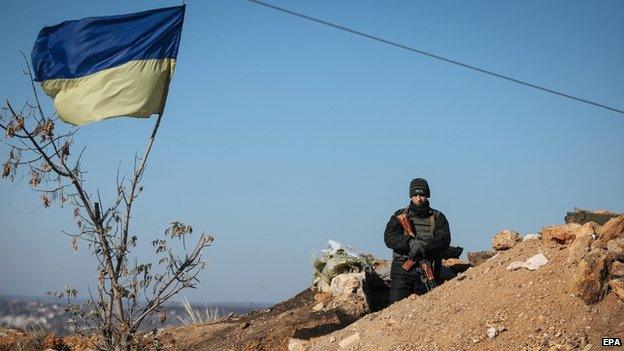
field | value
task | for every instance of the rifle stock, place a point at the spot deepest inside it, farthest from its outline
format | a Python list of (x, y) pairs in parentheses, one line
[(409, 230)]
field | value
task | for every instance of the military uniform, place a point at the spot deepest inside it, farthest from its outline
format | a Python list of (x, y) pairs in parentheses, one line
[(431, 229)]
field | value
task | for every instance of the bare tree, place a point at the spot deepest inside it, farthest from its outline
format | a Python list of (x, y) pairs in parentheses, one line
[(128, 291)]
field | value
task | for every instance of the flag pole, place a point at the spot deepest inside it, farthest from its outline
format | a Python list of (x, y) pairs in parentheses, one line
[(150, 142)]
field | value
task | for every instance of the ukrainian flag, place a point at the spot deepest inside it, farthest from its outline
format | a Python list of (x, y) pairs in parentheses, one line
[(102, 67)]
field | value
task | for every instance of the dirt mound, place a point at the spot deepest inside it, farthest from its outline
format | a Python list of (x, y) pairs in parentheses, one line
[(491, 308), (268, 329)]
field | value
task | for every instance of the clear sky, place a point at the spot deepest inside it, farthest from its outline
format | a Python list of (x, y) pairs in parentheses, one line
[(281, 133)]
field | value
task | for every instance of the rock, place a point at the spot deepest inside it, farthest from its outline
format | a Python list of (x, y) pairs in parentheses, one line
[(352, 306), (581, 216), (584, 236), (531, 237), (298, 344), (617, 285), (617, 269), (587, 283), (588, 228), (322, 296), (318, 307), (383, 271), (244, 326), (570, 345), (476, 258), (616, 248), (515, 265), (609, 231), (355, 338), (456, 265), (348, 283), (492, 332), (560, 234), (505, 240), (322, 286), (535, 262)]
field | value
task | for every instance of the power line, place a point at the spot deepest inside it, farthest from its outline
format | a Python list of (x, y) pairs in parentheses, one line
[(438, 57)]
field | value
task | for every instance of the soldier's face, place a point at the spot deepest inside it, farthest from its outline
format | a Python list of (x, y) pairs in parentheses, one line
[(419, 200)]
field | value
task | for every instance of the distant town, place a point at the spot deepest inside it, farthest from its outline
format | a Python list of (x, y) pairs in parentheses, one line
[(35, 314)]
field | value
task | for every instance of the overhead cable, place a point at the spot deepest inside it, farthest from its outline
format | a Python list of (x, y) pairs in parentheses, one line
[(438, 57)]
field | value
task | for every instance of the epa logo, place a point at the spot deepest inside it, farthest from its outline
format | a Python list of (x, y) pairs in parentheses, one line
[(611, 342)]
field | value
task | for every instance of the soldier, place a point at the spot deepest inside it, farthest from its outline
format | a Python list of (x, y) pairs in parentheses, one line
[(433, 236)]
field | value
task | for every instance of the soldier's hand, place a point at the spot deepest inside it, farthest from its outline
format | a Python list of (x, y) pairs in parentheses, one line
[(416, 248)]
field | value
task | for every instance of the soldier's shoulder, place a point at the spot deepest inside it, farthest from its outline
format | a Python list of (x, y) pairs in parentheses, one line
[(399, 211), (437, 213)]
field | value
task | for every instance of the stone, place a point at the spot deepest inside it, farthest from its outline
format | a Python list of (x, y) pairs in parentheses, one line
[(492, 332), (352, 306), (617, 285), (614, 228), (587, 283), (351, 340), (319, 306), (323, 286), (581, 216), (617, 269), (383, 271), (298, 345), (615, 247), (476, 258), (531, 237), (589, 228), (535, 262), (570, 345), (348, 283), (505, 240), (322, 296), (584, 236), (515, 265), (560, 234)]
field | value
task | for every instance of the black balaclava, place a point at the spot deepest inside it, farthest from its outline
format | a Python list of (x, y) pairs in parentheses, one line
[(419, 186)]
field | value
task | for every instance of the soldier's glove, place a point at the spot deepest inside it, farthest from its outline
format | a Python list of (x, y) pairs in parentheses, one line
[(416, 248)]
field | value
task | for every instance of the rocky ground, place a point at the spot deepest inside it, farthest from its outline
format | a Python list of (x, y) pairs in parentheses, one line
[(269, 329), (491, 308), (560, 290)]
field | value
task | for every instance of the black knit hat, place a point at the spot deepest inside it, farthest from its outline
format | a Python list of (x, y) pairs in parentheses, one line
[(419, 186)]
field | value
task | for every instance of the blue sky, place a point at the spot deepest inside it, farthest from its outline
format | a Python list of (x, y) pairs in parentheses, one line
[(281, 133)]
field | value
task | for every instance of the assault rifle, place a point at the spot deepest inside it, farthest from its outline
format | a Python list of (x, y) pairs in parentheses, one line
[(427, 276)]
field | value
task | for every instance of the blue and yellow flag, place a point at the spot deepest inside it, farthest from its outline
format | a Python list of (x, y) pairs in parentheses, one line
[(102, 67)]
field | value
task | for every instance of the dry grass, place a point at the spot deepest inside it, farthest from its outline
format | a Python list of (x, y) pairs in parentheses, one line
[(198, 316)]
